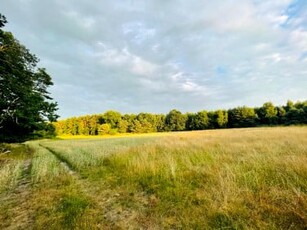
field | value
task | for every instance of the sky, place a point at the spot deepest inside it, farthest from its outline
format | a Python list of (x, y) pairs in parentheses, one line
[(156, 55)]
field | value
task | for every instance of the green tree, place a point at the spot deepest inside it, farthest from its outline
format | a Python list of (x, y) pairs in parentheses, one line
[(289, 105), (281, 115), (202, 120), (84, 125), (93, 122), (175, 121), (296, 113), (189, 125), (242, 117), (59, 127), (130, 118), (160, 119), (112, 117), (25, 104), (268, 114), (221, 118), (123, 126), (73, 127), (197, 121), (148, 122), (136, 126)]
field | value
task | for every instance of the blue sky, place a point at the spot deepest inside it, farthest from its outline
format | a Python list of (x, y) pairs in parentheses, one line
[(152, 56)]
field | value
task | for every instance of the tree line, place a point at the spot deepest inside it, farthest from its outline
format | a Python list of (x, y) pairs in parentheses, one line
[(112, 122)]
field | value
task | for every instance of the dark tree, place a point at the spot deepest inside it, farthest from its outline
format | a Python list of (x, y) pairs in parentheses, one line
[(297, 113), (281, 114), (197, 121), (242, 117), (267, 114), (112, 117), (25, 104), (175, 121)]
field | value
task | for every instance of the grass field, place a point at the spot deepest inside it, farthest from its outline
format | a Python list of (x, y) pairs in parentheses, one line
[(216, 179)]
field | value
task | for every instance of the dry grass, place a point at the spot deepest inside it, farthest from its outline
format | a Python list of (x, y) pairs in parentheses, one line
[(9, 174), (232, 179), (11, 163), (109, 136), (252, 178)]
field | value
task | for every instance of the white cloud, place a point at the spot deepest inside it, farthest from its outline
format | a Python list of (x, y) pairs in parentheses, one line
[(142, 67), (299, 38), (276, 57), (124, 59), (157, 55), (233, 17), (190, 86), (111, 56)]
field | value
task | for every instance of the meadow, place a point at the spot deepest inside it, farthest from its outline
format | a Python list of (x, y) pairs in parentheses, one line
[(253, 178)]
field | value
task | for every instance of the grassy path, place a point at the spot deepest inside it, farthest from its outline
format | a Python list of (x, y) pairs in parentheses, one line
[(103, 210), (15, 206), (68, 201), (68, 167), (22, 212)]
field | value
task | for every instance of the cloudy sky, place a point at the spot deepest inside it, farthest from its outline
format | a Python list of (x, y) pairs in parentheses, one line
[(156, 55)]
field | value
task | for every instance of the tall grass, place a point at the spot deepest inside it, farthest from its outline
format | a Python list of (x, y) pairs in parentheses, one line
[(11, 165), (9, 174), (254, 178), (45, 166), (84, 153), (216, 179)]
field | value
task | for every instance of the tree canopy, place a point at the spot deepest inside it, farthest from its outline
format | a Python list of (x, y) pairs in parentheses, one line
[(25, 104), (112, 122)]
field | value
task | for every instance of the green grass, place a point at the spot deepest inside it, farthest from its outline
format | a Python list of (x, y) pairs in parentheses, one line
[(216, 179), (45, 166), (86, 153)]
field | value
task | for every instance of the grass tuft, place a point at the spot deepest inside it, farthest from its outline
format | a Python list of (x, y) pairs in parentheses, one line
[(71, 207)]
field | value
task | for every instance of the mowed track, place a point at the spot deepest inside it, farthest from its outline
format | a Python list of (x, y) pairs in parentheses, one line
[(17, 201), (103, 205), (106, 202), (21, 203), (66, 165)]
